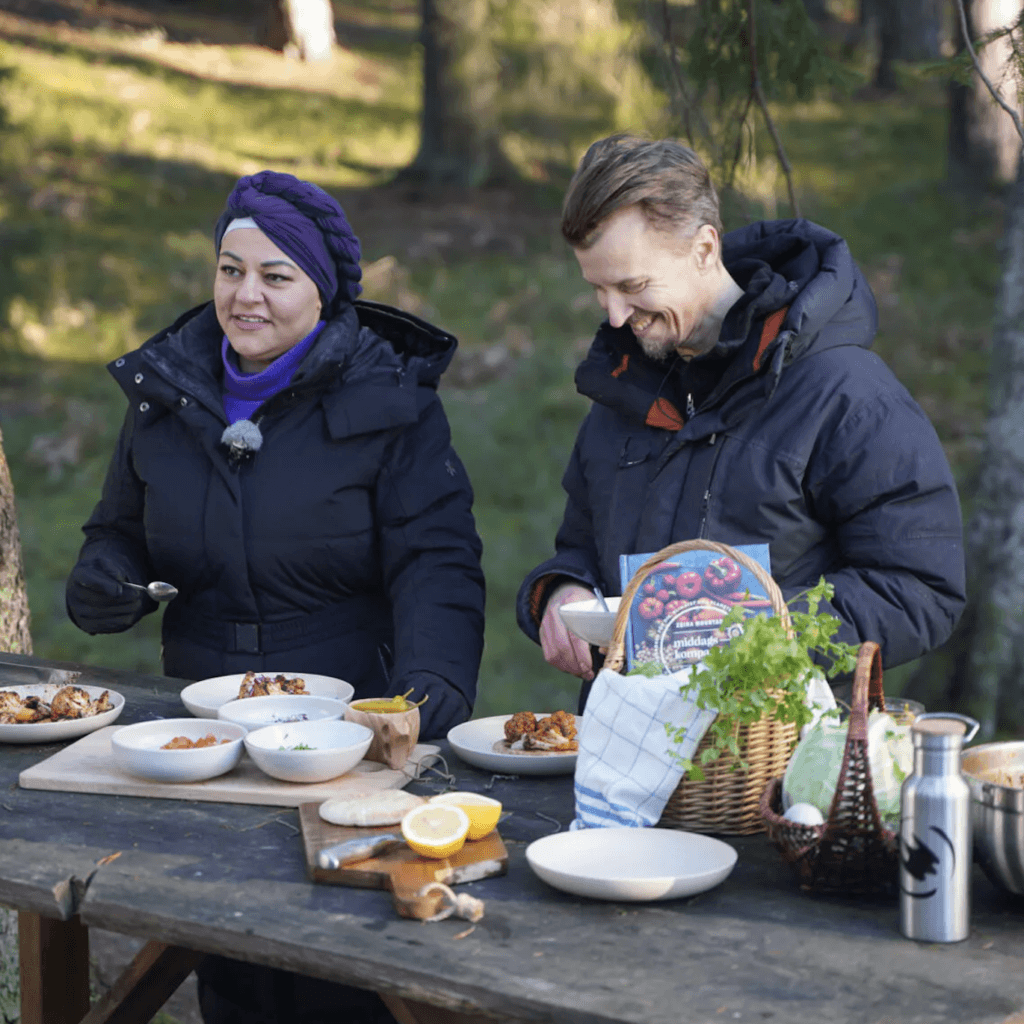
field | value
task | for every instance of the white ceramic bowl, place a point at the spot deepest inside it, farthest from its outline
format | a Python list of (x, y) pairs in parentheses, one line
[(589, 622), (136, 749), (631, 863), (337, 747), (204, 698), (257, 712)]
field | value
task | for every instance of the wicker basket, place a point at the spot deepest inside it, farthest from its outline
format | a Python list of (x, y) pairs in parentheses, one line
[(852, 853), (727, 800)]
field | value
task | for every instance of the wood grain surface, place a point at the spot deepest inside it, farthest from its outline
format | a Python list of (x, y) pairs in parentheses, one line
[(87, 766)]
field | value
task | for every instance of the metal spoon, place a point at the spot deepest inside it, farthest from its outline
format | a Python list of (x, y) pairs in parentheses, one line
[(156, 590), (600, 597)]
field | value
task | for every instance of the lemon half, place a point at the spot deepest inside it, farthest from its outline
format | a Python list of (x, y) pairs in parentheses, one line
[(483, 811), (434, 830)]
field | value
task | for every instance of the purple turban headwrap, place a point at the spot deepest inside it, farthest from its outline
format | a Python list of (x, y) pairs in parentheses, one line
[(302, 220)]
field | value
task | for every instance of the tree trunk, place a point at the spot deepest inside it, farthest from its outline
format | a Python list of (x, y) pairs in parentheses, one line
[(304, 28), (908, 30), (984, 148), (981, 668), (14, 636), (459, 127)]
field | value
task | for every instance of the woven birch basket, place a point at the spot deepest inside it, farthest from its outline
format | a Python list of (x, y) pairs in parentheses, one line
[(727, 800)]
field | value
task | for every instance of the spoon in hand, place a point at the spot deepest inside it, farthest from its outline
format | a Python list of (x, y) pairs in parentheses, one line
[(156, 590)]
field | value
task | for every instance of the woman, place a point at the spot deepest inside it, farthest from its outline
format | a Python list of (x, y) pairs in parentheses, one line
[(286, 463)]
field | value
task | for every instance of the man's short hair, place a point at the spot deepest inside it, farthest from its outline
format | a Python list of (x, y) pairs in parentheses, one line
[(666, 179)]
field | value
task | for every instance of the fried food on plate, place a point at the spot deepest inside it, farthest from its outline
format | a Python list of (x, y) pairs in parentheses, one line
[(254, 685), (519, 724), (67, 703), (555, 732)]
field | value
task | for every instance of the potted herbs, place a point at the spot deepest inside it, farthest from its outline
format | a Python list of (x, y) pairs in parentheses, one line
[(762, 675)]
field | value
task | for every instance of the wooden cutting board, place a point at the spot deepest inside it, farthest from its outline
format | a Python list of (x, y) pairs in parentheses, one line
[(87, 766), (399, 870)]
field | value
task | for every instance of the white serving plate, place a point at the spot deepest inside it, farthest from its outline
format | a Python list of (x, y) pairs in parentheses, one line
[(474, 742), (631, 863), (589, 621), (136, 750), (337, 748), (257, 712), (204, 698), (51, 732)]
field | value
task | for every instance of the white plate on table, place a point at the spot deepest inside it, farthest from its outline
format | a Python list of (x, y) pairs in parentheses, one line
[(589, 621), (205, 698), (66, 729), (631, 863), (474, 742)]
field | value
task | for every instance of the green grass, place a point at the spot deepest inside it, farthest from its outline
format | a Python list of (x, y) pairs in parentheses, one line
[(116, 165)]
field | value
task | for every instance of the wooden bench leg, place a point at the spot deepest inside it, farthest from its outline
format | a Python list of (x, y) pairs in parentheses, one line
[(408, 1011), (54, 961), (144, 985)]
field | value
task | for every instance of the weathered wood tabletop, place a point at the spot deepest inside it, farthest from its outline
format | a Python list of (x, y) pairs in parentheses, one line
[(230, 879)]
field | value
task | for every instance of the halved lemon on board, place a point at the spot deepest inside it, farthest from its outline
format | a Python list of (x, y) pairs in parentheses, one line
[(483, 811), (435, 830)]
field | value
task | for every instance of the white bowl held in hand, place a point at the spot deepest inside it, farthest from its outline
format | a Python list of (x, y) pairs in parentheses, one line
[(308, 751), (137, 749), (257, 712), (589, 621)]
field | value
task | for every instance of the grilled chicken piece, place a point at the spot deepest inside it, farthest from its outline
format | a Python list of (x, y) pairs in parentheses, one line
[(267, 686), (72, 702), (10, 702), (556, 732), (519, 725)]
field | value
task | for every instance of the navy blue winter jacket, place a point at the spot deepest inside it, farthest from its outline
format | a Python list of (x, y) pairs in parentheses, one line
[(345, 546), (802, 439)]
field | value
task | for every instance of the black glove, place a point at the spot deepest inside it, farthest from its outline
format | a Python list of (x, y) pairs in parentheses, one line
[(445, 709), (98, 603)]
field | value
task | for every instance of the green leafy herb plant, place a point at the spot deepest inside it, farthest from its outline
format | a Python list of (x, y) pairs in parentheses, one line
[(763, 672)]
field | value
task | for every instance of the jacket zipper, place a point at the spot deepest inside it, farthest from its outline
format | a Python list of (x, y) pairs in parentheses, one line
[(706, 500)]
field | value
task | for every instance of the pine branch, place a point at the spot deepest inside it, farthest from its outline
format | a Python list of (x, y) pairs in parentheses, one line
[(981, 74), (758, 94)]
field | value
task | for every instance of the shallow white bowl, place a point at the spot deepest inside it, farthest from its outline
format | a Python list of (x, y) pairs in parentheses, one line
[(337, 748), (257, 712), (205, 698), (631, 863), (136, 750), (589, 622)]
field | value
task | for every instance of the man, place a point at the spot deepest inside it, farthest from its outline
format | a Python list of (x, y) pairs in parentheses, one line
[(736, 399)]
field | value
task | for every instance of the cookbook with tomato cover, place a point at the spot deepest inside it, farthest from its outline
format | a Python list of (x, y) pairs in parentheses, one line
[(676, 616)]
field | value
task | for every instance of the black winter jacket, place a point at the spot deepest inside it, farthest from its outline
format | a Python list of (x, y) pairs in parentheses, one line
[(345, 546), (803, 440)]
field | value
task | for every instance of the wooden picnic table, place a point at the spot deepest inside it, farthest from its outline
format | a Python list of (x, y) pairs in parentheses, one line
[(196, 878)]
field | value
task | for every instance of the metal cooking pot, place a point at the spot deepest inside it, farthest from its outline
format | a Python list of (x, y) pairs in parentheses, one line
[(997, 810)]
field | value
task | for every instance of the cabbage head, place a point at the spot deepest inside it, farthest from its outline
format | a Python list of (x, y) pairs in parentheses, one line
[(813, 769)]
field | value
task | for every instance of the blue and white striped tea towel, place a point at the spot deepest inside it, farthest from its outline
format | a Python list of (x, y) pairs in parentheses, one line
[(626, 768)]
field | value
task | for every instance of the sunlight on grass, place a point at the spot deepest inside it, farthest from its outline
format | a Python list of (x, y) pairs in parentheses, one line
[(70, 97)]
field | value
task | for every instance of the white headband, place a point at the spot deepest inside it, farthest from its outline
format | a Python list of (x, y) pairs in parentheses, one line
[(240, 222)]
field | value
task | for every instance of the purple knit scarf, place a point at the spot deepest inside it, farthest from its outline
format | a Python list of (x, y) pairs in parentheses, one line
[(244, 393)]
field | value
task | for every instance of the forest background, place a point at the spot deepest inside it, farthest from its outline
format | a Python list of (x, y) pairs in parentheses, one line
[(125, 125)]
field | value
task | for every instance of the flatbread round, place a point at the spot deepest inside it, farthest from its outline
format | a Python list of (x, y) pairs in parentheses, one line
[(386, 807)]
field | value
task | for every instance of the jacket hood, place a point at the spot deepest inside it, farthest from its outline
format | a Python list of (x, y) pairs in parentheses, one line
[(809, 269), (364, 343), (793, 266)]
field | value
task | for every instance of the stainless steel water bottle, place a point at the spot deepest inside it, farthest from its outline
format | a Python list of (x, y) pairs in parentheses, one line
[(935, 832)]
